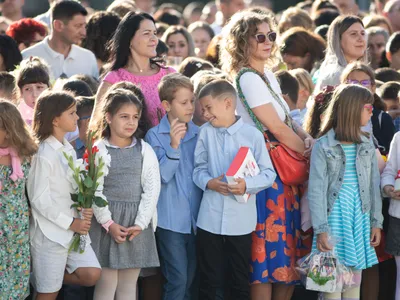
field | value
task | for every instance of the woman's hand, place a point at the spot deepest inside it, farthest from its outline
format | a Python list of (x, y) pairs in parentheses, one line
[(308, 144), (323, 244), (375, 237), (118, 233)]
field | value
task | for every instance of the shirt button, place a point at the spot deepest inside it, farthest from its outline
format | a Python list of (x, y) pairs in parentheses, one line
[(344, 162), (334, 194), (340, 179)]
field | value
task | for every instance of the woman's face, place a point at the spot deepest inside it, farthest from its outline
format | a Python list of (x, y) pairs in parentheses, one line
[(201, 41), (145, 40), (178, 45), (295, 62), (261, 51), (354, 42)]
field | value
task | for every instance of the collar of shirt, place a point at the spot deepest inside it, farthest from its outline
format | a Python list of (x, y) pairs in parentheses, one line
[(72, 53), (165, 127), (57, 145), (107, 143), (233, 128)]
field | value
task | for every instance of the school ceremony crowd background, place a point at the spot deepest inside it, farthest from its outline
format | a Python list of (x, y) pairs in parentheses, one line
[(172, 91)]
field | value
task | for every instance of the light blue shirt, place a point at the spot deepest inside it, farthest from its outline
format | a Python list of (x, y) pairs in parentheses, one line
[(216, 148), (179, 202)]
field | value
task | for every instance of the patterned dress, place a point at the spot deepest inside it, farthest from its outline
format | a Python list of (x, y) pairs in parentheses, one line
[(14, 236), (348, 224), (277, 240)]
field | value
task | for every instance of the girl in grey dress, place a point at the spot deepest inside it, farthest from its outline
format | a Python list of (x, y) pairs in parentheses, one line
[(123, 233)]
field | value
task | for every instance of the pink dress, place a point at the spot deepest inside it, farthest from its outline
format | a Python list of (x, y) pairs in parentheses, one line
[(148, 85)]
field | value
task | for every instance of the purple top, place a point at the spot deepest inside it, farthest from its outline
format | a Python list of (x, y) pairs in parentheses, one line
[(148, 85)]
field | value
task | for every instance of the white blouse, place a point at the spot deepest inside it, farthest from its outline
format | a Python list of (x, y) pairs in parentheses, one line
[(257, 93)]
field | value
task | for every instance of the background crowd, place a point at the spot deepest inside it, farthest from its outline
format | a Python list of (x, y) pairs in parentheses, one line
[(175, 91)]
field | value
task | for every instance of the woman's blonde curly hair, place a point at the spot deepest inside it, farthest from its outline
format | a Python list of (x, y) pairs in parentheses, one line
[(235, 44)]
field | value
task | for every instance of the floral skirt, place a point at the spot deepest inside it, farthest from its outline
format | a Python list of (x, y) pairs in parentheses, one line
[(277, 240)]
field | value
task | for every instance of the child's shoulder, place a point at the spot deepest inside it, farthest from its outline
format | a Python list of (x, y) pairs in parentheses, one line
[(396, 137)]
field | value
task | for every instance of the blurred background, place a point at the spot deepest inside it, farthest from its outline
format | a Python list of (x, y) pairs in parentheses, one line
[(35, 7)]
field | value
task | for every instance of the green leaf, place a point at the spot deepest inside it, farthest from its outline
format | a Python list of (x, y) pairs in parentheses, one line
[(88, 182), (81, 199), (100, 202), (75, 205), (74, 197)]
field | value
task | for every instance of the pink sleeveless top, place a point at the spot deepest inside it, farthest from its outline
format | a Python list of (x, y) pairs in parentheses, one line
[(148, 85)]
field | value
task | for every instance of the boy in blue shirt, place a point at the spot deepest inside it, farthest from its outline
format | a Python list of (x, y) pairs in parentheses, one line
[(224, 225), (174, 141)]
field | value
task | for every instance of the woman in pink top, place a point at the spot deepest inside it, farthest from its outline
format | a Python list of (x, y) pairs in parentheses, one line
[(133, 49)]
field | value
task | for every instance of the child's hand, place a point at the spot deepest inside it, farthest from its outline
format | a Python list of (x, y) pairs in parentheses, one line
[(389, 190), (87, 213), (118, 233), (239, 188), (134, 231), (375, 237), (219, 186), (80, 226), (323, 244), (177, 133)]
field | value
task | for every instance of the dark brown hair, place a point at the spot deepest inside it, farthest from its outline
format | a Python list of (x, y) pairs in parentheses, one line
[(49, 106), (113, 101), (192, 65), (32, 70)]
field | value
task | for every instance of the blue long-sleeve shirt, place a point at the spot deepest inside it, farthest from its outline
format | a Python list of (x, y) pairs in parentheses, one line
[(216, 148), (179, 201)]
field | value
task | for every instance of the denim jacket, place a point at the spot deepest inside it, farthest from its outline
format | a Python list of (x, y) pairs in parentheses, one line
[(327, 169)]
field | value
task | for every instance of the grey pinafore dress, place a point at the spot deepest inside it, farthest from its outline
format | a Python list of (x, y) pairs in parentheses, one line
[(123, 190)]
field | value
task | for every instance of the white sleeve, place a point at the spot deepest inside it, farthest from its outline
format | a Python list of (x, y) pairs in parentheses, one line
[(151, 185), (390, 172), (254, 90)]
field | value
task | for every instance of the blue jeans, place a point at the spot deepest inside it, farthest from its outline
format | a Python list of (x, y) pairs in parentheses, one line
[(177, 253)]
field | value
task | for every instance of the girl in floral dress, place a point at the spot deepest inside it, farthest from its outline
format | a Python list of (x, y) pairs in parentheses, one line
[(16, 149)]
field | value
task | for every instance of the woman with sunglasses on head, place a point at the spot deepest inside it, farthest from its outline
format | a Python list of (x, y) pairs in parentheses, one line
[(247, 46), (346, 43)]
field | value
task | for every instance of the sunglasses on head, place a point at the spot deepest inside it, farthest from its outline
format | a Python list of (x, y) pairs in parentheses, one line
[(261, 37)]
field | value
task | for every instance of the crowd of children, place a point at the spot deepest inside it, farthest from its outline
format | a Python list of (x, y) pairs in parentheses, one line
[(171, 110)]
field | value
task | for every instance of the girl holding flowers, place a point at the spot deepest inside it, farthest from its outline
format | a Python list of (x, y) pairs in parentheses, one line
[(54, 221), (123, 236), (16, 150)]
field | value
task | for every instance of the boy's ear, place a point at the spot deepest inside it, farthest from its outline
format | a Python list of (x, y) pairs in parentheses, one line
[(166, 105)]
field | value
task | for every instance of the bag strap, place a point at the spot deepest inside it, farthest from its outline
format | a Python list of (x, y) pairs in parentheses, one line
[(246, 105)]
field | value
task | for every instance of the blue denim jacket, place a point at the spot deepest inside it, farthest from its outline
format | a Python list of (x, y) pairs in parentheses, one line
[(327, 168)]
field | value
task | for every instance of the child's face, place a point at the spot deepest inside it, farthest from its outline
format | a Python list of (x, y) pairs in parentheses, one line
[(217, 110), (83, 124), (124, 123), (395, 60), (30, 92), (361, 78), (67, 121), (182, 106), (366, 114), (198, 117)]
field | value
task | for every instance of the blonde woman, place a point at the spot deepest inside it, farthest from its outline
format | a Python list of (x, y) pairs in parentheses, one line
[(247, 45)]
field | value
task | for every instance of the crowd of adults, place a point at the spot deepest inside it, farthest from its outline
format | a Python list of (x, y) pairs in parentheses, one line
[(306, 49)]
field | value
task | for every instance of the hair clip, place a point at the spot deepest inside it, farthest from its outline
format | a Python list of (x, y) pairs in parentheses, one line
[(199, 65), (320, 97)]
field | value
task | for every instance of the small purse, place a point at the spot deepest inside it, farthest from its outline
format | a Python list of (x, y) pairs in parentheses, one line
[(292, 167)]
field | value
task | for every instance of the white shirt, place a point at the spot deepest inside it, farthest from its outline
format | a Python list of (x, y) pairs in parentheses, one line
[(151, 185), (45, 18), (79, 60), (49, 191), (390, 172), (257, 93)]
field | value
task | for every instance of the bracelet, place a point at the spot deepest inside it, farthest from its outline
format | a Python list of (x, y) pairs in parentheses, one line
[(107, 225)]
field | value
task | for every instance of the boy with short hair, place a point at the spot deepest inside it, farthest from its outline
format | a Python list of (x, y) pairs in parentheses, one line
[(224, 225), (389, 94), (174, 141)]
